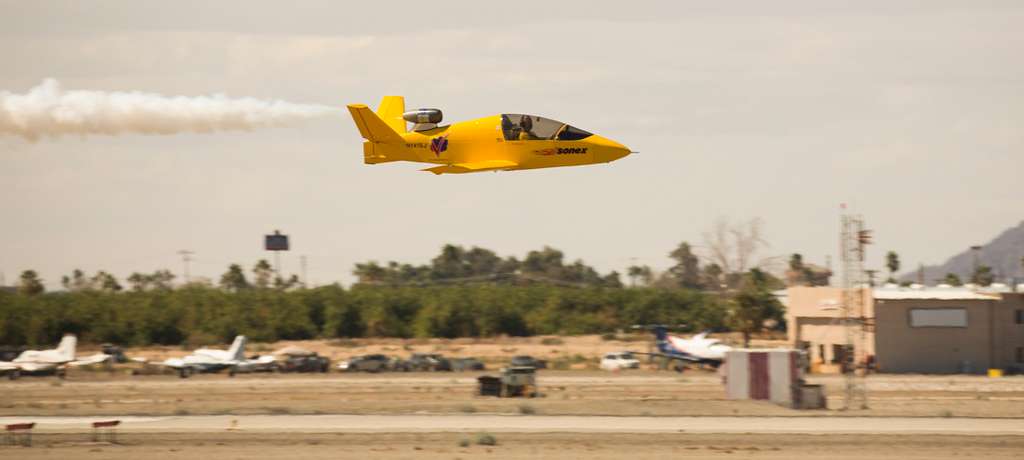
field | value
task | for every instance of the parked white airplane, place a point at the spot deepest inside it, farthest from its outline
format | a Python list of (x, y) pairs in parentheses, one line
[(698, 349), (209, 360), (45, 362)]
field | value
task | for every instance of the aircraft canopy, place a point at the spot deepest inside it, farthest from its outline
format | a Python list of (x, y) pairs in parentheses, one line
[(519, 127)]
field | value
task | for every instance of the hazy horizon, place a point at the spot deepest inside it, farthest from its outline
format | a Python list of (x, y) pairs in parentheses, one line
[(907, 111)]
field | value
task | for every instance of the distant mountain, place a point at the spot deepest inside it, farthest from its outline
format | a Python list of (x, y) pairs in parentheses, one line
[(1003, 254)]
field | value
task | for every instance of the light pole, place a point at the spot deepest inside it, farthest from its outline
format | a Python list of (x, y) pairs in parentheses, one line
[(186, 257), (974, 263)]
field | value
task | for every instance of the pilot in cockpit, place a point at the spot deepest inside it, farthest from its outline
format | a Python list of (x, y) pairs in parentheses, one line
[(526, 126)]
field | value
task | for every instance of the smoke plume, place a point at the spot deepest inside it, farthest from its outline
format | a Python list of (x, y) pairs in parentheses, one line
[(47, 110)]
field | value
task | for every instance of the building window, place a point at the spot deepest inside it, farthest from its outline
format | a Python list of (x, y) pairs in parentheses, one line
[(1020, 316), (938, 317), (1020, 354)]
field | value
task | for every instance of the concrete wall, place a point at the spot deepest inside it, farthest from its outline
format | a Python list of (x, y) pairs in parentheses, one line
[(935, 350), (763, 374)]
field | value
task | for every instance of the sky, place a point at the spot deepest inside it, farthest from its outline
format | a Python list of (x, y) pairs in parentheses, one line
[(908, 111)]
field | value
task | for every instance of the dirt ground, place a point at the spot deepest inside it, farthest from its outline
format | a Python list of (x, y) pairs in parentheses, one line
[(580, 391), (518, 446), (638, 392)]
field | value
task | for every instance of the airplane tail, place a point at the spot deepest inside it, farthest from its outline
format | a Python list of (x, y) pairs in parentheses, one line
[(66, 347), (383, 126), (660, 332), (237, 350), (391, 110)]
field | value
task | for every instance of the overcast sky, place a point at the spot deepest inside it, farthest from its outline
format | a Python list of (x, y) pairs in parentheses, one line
[(908, 111)]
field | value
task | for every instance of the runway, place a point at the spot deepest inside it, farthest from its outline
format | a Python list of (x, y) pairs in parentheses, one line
[(535, 424)]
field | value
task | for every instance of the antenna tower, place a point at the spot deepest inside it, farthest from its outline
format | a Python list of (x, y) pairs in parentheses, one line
[(853, 239), (186, 257)]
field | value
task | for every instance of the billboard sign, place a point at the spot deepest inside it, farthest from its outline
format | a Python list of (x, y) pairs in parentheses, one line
[(276, 242)]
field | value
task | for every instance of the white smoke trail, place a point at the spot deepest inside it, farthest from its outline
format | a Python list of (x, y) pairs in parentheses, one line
[(49, 111)]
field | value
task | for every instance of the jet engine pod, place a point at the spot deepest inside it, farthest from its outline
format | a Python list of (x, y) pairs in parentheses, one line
[(423, 116)]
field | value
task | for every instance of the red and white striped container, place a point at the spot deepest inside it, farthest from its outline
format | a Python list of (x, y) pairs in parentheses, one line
[(772, 375)]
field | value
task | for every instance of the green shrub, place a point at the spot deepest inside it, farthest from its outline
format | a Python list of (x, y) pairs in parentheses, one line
[(486, 439)]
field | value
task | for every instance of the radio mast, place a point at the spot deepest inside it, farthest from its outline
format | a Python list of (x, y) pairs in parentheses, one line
[(853, 238)]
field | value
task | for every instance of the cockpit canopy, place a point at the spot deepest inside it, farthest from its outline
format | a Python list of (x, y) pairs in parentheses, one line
[(519, 127)]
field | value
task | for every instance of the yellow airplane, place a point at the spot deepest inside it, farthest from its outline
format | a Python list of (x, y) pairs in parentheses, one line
[(504, 142)]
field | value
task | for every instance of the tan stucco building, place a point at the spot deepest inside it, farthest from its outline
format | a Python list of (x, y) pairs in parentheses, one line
[(916, 330)]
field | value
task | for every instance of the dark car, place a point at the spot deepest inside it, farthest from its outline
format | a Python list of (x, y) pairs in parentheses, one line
[(528, 361), (467, 364), (367, 363), (426, 362), (305, 363), (116, 353)]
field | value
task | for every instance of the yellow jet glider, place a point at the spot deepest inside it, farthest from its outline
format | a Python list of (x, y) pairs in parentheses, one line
[(504, 142)]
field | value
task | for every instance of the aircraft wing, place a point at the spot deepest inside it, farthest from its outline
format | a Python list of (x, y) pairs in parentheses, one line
[(460, 168), (687, 358), (94, 359), (36, 367), (176, 363)]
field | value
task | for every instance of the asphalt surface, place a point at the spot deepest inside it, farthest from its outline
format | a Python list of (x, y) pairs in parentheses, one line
[(535, 423)]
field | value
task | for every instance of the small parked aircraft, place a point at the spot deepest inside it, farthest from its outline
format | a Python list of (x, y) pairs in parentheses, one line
[(503, 142), (208, 360), (698, 349), (49, 362)]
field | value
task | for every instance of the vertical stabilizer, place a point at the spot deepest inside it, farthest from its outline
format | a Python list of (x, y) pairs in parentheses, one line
[(372, 127), (66, 347), (391, 110), (237, 350)]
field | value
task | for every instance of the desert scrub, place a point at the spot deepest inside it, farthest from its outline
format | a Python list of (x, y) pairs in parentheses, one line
[(486, 439)]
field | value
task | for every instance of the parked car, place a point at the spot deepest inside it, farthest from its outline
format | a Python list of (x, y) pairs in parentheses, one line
[(366, 363), (619, 360), (467, 364), (425, 362), (116, 353), (528, 361), (295, 359)]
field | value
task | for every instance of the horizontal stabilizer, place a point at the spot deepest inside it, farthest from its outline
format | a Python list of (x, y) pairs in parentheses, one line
[(462, 168)]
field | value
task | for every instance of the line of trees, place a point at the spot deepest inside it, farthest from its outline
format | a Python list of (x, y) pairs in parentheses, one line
[(461, 293)]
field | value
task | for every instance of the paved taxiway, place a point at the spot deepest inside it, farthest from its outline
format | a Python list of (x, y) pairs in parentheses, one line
[(538, 423)]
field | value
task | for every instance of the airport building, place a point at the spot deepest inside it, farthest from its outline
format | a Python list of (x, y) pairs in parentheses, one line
[(940, 330)]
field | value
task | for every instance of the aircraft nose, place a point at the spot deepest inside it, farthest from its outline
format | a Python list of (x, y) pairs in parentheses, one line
[(607, 150)]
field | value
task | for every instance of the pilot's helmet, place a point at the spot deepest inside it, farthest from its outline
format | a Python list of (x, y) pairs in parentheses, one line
[(526, 122)]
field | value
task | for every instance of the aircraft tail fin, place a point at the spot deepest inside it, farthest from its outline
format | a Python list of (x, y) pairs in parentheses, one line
[(391, 110), (237, 350), (372, 127), (66, 347), (660, 332)]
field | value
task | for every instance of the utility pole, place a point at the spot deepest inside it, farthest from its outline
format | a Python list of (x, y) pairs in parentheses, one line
[(853, 239), (974, 262), (186, 257), (302, 265)]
